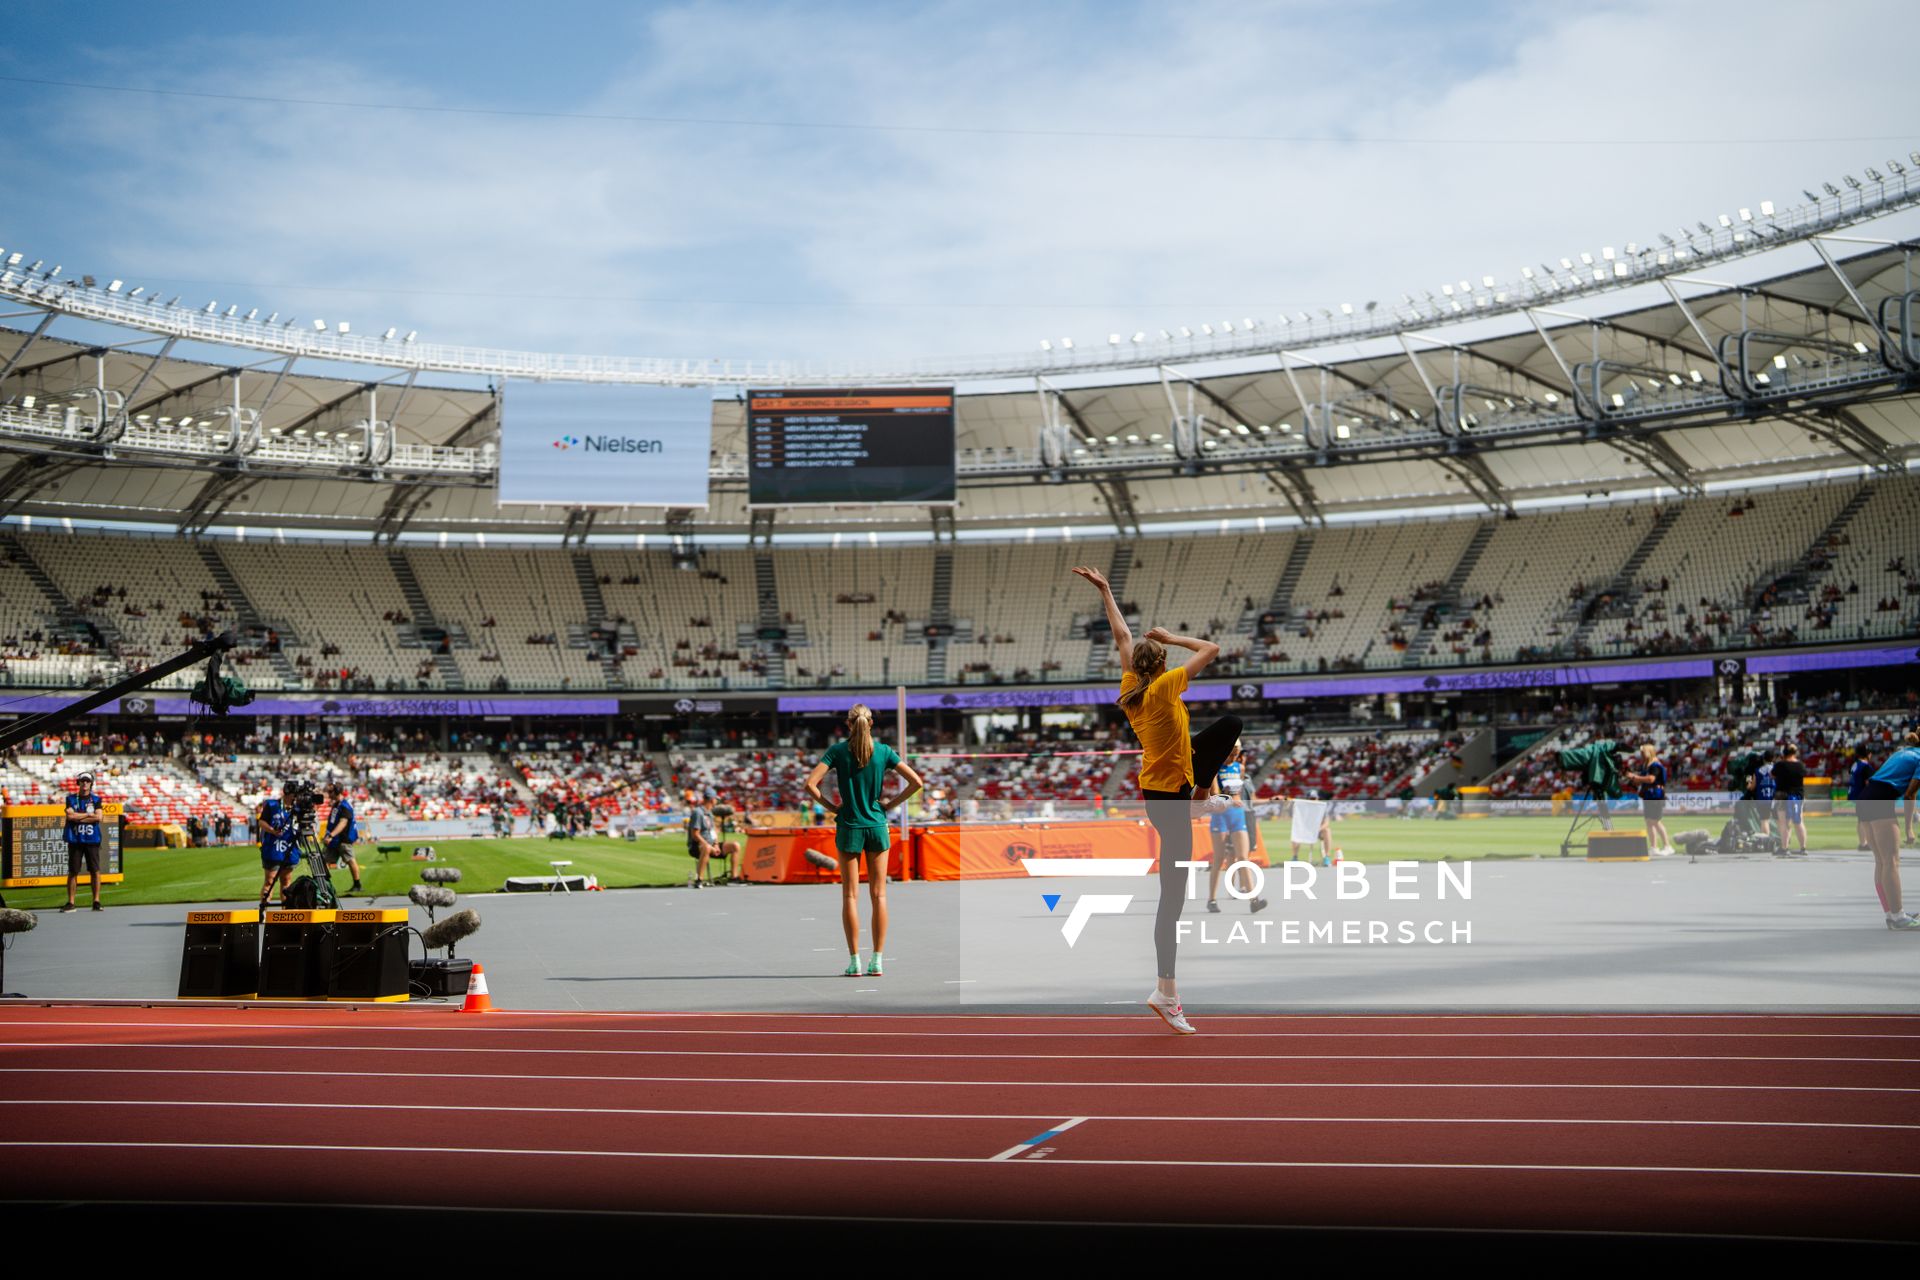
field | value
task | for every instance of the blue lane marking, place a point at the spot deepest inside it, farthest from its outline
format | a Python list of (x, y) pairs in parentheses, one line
[(1036, 1141)]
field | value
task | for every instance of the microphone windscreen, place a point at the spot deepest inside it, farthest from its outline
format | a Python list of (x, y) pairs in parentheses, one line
[(431, 895), (441, 875), (449, 931), (821, 860), (12, 921)]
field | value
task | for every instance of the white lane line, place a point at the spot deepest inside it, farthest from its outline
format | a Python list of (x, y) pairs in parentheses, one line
[(368, 1148), (256, 1011), (989, 1084), (1020, 1148), (492, 1029), (200, 1046), (942, 1115)]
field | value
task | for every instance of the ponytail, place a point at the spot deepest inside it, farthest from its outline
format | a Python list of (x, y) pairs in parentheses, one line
[(860, 734), (1149, 660)]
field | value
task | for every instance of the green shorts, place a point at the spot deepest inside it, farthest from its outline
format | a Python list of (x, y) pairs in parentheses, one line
[(857, 840)]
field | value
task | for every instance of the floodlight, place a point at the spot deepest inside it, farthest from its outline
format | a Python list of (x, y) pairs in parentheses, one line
[(388, 335), (319, 326), (1607, 253), (1045, 345), (1185, 332), (1830, 189), (1207, 329), (1566, 264), (211, 308), (26, 402), (233, 311), (253, 313), (1853, 183), (1165, 336), (1066, 344), (343, 326), (1113, 339), (1873, 174), (113, 286), (1248, 323), (1526, 273), (1860, 347), (1342, 431), (1486, 281), (1725, 221), (1779, 362), (1346, 308), (1447, 289)]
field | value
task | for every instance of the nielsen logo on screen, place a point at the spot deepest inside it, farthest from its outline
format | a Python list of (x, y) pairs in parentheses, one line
[(618, 444)]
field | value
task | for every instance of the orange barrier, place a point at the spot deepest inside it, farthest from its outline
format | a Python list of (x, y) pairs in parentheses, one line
[(988, 852), (778, 855)]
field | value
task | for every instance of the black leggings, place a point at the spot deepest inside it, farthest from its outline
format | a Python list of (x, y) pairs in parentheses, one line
[(1171, 814)]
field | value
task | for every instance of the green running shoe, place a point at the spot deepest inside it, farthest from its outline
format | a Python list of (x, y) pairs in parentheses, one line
[(853, 967), (873, 967)]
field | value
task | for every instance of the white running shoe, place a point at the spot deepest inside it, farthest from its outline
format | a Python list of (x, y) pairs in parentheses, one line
[(1173, 1015), (1212, 804), (1663, 853)]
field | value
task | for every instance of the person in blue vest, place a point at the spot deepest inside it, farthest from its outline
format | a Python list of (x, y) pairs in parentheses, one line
[(1857, 774), (279, 850), (1766, 789), (341, 833), (83, 839)]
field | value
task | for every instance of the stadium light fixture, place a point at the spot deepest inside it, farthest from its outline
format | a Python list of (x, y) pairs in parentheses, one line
[(1746, 215), (1286, 428), (1207, 329), (1696, 376), (411, 335), (1860, 347), (1066, 344), (211, 308), (1779, 362), (233, 311), (1586, 259), (26, 402), (1766, 208), (1113, 339), (113, 286), (1853, 183), (1140, 337), (1346, 308), (1830, 189), (1046, 344), (344, 326), (1447, 289), (1342, 431), (1185, 332), (319, 326), (253, 313), (1914, 156), (1250, 324), (1165, 336), (1566, 264), (1607, 253), (1725, 221), (1551, 398)]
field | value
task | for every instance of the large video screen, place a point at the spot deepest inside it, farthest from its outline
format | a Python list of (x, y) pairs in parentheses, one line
[(850, 447), (574, 444)]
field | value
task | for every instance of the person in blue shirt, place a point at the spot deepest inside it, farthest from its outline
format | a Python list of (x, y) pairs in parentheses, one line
[(1895, 781), (279, 850), (1857, 774), (83, 839), (1652, 781), (341, 833), (1231, 839), (1766, 788)]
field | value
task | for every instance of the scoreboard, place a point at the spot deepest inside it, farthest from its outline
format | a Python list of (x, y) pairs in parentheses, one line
[(34, 844), (842, 447)]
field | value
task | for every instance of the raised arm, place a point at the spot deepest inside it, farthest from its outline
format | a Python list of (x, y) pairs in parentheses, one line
[(1204, 651), (1122, 635)]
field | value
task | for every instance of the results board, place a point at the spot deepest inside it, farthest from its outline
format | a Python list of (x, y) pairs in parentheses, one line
[(36, 844), (850, 447)]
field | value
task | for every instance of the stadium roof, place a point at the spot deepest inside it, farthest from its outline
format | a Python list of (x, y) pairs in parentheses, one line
[(1811, 370)]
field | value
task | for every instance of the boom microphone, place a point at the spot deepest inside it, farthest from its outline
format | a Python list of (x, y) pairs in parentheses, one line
[(431, 895), (12, 921), (451, 930), (821, 860), (441, 875)]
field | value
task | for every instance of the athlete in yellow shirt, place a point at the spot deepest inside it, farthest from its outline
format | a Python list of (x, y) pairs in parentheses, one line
[(1176, 770)]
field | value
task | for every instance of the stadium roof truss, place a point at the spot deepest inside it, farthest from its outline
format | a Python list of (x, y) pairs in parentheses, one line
[(1816, 368)]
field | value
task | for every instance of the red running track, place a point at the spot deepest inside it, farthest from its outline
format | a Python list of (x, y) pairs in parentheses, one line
[(1724, 1125)]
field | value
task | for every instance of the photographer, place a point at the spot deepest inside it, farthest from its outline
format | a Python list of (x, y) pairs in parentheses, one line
[(341, 833), (83, 840), (279, 850)]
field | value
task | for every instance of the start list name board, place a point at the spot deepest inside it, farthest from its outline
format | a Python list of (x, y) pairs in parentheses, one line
[(848, 446)]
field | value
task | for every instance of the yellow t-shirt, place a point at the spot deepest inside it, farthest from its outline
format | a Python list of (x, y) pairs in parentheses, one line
[(1160, 722)]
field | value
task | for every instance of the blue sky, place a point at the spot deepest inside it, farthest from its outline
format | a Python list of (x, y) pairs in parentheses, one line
[(986, 179)]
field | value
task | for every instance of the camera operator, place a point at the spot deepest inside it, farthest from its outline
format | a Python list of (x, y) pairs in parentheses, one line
[(341, 833), (279, 849), (83, 840)]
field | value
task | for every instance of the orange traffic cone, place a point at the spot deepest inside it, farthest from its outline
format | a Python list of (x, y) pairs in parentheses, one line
[(477, 999)]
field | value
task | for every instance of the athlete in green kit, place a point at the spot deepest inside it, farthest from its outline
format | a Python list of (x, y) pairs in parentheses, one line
[(860, 766)]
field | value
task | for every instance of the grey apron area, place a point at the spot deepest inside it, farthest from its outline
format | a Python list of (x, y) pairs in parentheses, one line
[(1548, 934)]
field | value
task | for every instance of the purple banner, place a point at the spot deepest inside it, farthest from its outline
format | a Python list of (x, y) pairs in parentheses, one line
[(1473, 681), (140, 704), (986, 699), (1786, 662)]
